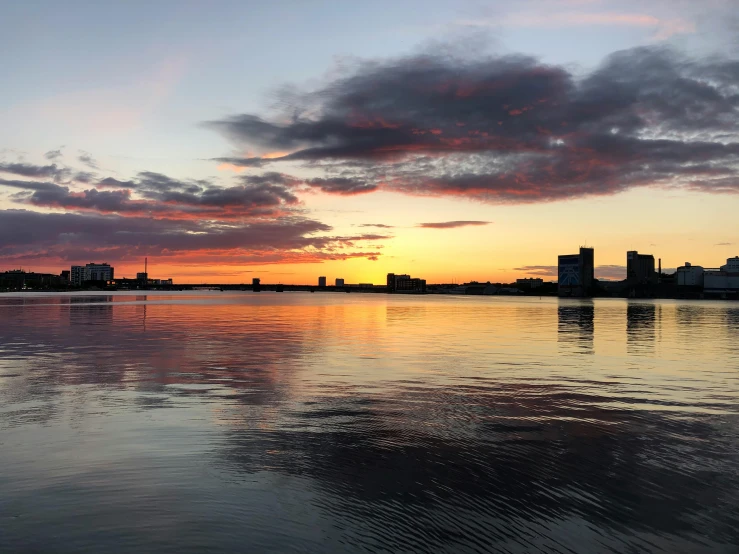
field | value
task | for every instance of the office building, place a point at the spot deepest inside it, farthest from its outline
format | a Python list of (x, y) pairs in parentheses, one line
[(98, 272), (576, 273), (143, 277), (640, 268), (76, 275), (339, 282), (405, 283), (321, 281), (90, 272), (65, 276)]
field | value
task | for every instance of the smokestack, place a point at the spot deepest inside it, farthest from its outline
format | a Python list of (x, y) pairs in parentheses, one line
[(146, 266), (659, 273)]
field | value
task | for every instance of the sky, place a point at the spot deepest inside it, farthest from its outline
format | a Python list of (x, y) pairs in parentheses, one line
[(455, 141)]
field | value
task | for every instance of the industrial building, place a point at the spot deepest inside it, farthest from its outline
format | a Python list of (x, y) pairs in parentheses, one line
[(690, 275), (405, 283), (723, 281), (640, 268), (576, 273)]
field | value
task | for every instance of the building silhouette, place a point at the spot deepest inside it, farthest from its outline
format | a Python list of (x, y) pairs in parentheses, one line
[(576, 273), (530, 282), (640, 268), (339, 282), (90, 272), (17, 279), (405, 283), (321, 281)]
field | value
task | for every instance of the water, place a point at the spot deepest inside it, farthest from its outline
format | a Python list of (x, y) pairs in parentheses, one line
[(367, 423)]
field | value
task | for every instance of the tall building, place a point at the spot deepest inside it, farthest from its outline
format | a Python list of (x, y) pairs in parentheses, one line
[(339, 282), (98, 272), (640, 268), (321, 281), (90, 272), (576, 273), (405, 283), (77, 275)]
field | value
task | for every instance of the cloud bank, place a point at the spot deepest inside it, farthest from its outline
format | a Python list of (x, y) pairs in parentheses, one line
[(510, 129)]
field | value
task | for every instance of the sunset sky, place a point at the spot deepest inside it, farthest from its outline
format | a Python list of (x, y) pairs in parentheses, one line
[(285, 140)]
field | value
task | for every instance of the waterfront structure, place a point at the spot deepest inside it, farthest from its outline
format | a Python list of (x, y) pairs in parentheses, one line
[(724, 280), (690, 275), (405, 283), (143, 277), (65, 276), (576, 273), (732, 265), (339, 282), (98, 272), (90, 272), (530, 282), (18, 279), (77, 275), (640, 268), (321, 281)]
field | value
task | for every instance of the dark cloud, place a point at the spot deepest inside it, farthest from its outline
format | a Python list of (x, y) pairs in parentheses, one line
[(452, 224), (243, 162), (341, 185), (378, 225), (158, 195), (28, 185), (724, 244), (87, 159), (53, 154), (51, 171), (84, 177), (513, 129), (26, 235), (539, 270), (610, 272)]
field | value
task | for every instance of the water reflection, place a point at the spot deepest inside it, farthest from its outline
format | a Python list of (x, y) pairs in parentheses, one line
[(331, 424), (576, 326), (640, 327)]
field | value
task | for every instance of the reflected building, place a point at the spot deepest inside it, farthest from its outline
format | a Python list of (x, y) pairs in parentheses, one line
[(640, 327), (576, 326)]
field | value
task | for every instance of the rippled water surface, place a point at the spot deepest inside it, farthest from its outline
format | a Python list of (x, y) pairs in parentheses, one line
[(299, 422)]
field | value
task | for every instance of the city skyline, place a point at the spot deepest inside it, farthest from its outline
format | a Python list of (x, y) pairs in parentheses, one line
[(487, 135)]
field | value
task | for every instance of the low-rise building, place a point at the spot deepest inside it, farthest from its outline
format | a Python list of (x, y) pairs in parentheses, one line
[(339, 282), (530, 282), (405, 283), (321, 281)]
